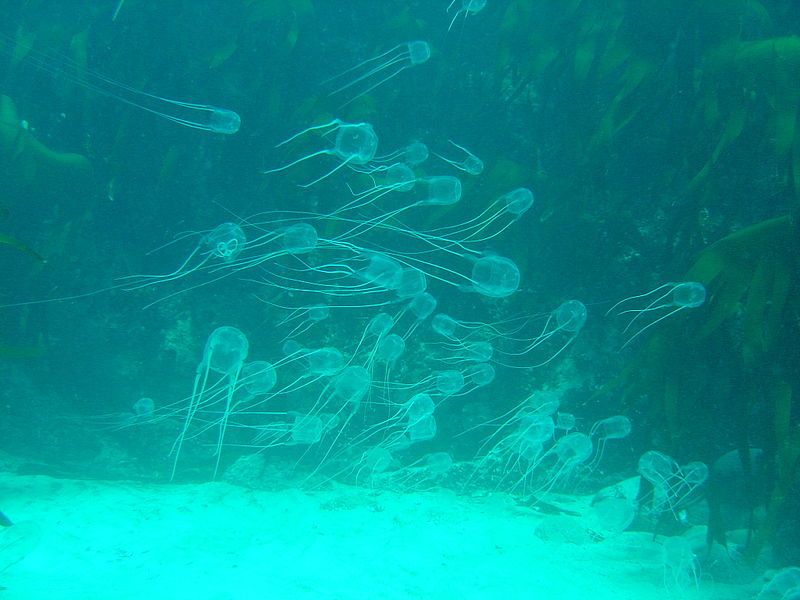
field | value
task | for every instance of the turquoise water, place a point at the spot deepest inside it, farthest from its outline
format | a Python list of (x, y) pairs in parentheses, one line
[(243, 262)]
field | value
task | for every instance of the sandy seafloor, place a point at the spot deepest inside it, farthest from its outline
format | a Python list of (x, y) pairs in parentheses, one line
[(93, 540)]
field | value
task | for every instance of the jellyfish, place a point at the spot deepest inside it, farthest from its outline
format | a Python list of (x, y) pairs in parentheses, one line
[(348, 389), (354, 144), (398, 177), (389, 348), (516, 447), (375, 461), (468, 7), (196, 116), (439, 190), (674, 486), (783, 584), (445, 325), (610, 428), (565, 421), (564, 323), (420, 474), (223, 244), (420, 422), (442, 190), (680, 564), (308, 316), (449, 382), (413, 154), (420, 306), (571, 451), (662, 302), (224, 353), (480, 374), (373, 72), (470, 164), (494, 276), (258, 377)]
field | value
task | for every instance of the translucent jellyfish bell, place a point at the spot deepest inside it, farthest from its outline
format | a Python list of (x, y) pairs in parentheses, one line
[(422, 305), (612, 428), (224, 121), (421, 424), (478, 351), (307, 429), (517, 201), (419, 406), (445, 325), (258, 377), (415, 154), (571, 316), (325, 361), (536, 427), (400, 178), (410, 283), (442, 190), (352, 384), (354, 145), (225, 350), (411, 155), (380, 324), (373, 72), (300, 238), (225, 241), (689, 294), (480, 374), (144, 408), (662, 302), (495, 276), (390, 348), (469, 163), (572, 450), (382, 271), (449, 382)]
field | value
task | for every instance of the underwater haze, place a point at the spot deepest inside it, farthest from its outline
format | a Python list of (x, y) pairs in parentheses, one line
[(399, 299)]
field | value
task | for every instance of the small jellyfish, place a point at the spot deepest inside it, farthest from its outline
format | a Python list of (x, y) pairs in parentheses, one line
[(354, 145), (673, 485), (660, 303), (195, 116), (224, 354), (373, 72), (468, 7), (222, 244), (307, 317), (469, 163), (494, 276), (258, 377), (564, 323), (412, 155), (610, 428)]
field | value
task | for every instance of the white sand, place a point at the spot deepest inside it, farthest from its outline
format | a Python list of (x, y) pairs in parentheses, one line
[(214, 541)]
